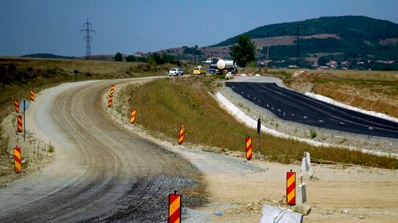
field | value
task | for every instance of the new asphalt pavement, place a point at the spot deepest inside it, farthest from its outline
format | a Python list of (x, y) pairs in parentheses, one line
[(296, 107)]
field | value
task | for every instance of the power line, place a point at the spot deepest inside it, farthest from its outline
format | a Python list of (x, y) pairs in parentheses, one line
[(87, 37)]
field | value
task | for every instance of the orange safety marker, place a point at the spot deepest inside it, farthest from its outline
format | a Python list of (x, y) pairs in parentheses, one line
[(249, 154), (182, 133), (291, 188), (16, 104), (17, 160), (112, 90), (133, 113), (32, 95), (110, 101), (174, 208), (19, 123)]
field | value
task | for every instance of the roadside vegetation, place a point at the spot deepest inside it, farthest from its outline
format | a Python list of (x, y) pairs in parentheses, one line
[(19, 75), (166, 104)]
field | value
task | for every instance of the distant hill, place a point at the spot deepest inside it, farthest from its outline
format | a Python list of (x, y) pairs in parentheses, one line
[(46, 55), (354, 40), (346, 27)]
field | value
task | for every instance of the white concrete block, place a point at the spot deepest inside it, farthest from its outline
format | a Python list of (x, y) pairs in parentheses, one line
[(308, 158), (304, 209), (306, 170), (301, 194), (275, 214)]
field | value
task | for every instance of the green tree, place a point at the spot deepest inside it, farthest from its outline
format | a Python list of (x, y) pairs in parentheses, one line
[(244, 51), (130, 58), (118, 57), (323, 60)]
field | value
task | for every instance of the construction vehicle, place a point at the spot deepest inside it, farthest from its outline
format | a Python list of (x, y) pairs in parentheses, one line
[(198, 70), (227, 66)]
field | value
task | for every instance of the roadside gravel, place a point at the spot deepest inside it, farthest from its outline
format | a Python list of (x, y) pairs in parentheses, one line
[(237, 189), (375, 145)]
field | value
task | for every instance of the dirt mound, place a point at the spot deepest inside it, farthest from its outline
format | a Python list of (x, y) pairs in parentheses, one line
[(301, 81), (357, 100)]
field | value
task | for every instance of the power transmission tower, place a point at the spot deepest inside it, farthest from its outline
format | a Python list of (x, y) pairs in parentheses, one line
[(87, 37)]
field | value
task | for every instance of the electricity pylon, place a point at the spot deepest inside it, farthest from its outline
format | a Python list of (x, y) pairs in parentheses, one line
[(87, 37)]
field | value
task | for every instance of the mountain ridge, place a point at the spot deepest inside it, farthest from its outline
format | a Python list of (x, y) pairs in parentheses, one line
[(324, 25)]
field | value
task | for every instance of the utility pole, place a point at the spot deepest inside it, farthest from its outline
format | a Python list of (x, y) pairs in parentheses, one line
[(297, 45), (87, 37), (266, 61)]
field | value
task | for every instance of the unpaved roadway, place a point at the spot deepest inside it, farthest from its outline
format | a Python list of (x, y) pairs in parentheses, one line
[(109, 171), (101, 172)]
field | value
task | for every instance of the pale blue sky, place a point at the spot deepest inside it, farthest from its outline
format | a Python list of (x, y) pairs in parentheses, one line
[(53, 26)]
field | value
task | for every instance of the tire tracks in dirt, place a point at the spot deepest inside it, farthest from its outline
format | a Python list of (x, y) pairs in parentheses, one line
[(98, 165)]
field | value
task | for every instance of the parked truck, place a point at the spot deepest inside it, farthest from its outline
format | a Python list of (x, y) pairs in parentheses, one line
[(226, 66)]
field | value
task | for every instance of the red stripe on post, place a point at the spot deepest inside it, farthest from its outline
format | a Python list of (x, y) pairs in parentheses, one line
[(19, 120), (182, 133), (17, 160), (16, 104), (133, 114), (112, 90), (174, 208), (110, 101), (249, 154), (32, 95), (291, 188)]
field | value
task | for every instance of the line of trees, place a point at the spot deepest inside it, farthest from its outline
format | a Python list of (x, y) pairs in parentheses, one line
[(152, 58)]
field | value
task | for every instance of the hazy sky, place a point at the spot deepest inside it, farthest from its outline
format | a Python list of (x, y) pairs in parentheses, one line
[(53, 26)]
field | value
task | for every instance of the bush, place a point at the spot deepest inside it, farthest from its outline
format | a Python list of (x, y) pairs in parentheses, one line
[(313, 133), (118, 57)]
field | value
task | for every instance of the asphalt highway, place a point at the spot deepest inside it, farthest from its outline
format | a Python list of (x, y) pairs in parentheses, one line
[(292, 106)]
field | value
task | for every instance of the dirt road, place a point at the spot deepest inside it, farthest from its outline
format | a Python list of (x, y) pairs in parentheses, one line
[(101, 172), (107, 170)]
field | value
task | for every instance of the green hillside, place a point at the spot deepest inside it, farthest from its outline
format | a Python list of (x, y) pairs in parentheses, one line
[(359, 38), (352, 27)]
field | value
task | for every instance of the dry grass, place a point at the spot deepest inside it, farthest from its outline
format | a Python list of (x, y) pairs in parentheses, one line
[(164, 105), (370, 90), (38, 74), (69, 65)]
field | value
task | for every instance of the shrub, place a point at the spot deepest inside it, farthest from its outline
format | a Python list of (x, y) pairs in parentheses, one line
[(313, 133)]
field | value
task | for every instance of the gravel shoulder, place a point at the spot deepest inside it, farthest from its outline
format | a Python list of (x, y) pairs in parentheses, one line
[(239, 189), (235, 187)]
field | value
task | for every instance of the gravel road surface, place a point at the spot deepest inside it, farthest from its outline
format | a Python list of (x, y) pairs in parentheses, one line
[(107, 170), (102, 173)]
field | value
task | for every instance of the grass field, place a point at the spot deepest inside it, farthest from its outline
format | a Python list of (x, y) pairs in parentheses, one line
[(172, 102)]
